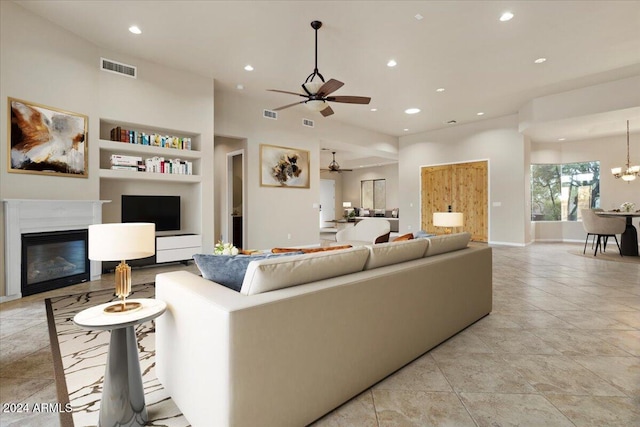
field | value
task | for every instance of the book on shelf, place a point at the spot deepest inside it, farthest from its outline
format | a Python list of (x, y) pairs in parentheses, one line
[(168, 166), (125, 167), (119, 159), (119, 134)]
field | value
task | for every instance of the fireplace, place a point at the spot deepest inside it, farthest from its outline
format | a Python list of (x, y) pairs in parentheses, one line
[(25, 216), (52, 260)]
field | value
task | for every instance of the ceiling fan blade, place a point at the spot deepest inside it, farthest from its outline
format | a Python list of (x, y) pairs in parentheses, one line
[(326, 112), (329, 87), (350, 99), (288, 105), (284, 91)]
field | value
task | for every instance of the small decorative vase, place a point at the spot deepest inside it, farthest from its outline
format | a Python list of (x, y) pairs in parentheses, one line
[(627, 207)]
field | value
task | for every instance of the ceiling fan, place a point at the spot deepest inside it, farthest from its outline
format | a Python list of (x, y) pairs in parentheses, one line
[(317, 93), (334, 166)]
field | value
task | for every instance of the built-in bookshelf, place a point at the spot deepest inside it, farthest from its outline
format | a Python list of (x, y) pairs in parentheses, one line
[(169, 153)]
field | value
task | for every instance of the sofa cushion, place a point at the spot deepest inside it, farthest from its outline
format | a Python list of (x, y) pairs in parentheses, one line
[(277, 273), (228, 270), (309, 250), (395, 252), (447, 243)]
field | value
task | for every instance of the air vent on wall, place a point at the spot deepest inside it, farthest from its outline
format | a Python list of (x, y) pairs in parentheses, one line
[(118, 68), (268, 114), (307, 123)]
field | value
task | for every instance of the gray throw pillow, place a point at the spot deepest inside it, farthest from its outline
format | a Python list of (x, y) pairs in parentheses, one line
[(229, 270)]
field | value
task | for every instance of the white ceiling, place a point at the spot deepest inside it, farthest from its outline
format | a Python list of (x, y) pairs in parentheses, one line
[(484, 65)]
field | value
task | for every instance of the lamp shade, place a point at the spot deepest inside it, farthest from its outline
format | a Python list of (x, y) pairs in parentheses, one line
[(316, 105), (346, 204), (313, 87), (447, 219), (119, 242)]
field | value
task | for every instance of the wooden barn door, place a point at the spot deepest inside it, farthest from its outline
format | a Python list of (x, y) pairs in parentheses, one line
[(464, 186), (436, 194)]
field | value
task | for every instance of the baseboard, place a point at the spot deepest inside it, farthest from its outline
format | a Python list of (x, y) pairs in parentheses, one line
[(520, 245), (9, 298)]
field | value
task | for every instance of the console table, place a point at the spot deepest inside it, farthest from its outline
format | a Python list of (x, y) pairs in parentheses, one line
[(122, 400)]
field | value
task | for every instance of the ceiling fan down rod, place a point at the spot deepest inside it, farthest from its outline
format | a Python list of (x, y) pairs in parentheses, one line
[(316, 25)]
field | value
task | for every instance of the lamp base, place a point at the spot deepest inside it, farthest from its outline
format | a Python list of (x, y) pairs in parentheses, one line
[(123, 307)]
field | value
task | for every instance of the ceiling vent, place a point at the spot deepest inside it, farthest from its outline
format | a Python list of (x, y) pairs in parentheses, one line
[(268, 114), (118, 68), (308, 123)]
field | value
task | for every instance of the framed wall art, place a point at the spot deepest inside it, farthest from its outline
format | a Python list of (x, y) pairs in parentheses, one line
[(283, 167), (46, 140)]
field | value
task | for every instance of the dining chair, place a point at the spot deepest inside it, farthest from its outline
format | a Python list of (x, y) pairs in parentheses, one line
[(601, 228)]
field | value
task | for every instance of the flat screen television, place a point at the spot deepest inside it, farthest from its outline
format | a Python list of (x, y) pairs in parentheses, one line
[(163, 211)]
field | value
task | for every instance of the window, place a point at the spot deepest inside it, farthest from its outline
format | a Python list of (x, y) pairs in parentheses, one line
[(373, 194), (558, 192)]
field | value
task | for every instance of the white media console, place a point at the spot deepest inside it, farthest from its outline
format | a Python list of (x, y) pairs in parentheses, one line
[(177, 248)]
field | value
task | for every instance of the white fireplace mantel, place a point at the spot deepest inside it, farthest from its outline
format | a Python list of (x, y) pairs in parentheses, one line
[(35, 216)]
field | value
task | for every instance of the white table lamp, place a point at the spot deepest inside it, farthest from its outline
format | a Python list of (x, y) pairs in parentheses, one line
[(120, 242), (447, 220)]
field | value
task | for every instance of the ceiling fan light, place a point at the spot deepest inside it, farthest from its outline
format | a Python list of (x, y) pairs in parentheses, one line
[(316, 105), (313, 87)]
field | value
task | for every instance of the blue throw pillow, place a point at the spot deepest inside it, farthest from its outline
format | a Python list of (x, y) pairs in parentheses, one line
[(421, 234), (229, 270)]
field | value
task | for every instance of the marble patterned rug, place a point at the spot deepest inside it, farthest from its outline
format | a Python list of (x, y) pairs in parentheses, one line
[(80, 357)]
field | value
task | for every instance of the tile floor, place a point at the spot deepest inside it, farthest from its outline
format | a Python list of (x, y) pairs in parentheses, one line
[(561, 348)]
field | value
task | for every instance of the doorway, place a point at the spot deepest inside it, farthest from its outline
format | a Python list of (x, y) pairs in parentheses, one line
[(464, 187), (327, 202), (235, 198)]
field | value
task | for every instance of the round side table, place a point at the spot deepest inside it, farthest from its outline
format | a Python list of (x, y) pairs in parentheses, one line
[(122, 392)]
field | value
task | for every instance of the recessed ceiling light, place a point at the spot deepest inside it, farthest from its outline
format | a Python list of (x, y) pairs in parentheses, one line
[(540, 60), (406, 129), (248, 68), (440, 89), (392, 63), (374, 109), (239, 86), (418, 17), (412, 110), (506, 16), (562, 139), (135, 29), (480, 113)]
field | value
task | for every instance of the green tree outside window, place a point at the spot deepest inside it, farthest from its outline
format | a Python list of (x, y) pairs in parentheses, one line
[(559, 191)]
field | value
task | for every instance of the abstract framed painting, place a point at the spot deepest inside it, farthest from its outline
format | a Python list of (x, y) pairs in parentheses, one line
[(283, 167), (46, 140)]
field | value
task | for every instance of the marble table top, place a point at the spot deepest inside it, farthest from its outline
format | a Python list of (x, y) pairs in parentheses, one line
[(97, 318)]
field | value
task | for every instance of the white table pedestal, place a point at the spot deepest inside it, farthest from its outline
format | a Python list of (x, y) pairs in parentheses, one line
[(122, 402)]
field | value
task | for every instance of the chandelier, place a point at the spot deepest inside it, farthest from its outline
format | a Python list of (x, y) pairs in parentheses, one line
[(630, 172)]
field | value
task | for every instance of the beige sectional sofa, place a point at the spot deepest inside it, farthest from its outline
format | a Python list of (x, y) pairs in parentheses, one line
[(308, 332)]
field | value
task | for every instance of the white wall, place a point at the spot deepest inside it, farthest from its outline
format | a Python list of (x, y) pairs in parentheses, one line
[(44, 64), (611, 152), (495, 140), (273, 214), (351, 183)]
